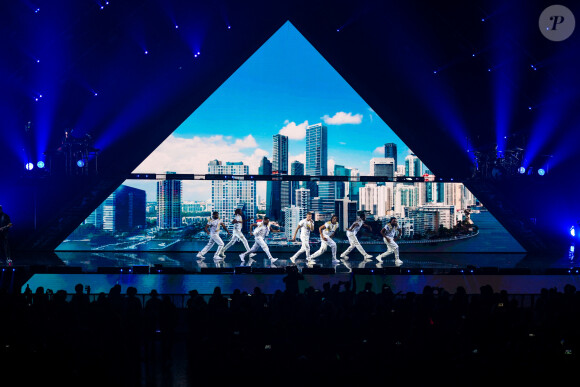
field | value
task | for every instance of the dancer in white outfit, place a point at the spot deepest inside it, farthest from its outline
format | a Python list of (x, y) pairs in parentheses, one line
[(390, 232), (237, 235), (351, 235), (260, 233), (327, 231), (305, 226), (214, 224)]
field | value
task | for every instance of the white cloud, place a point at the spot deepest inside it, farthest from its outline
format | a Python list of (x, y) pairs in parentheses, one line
[(342, 143), (191, 155), (293, 131), (341, 118), (379, 150), (301, 157), (371, 110)]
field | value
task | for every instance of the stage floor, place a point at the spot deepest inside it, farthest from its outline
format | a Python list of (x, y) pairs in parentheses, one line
[(90, 261)]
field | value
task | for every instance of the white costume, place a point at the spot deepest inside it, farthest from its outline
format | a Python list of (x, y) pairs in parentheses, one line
[(328, 230), (392, 246), (305, 227), (214, 237), (236, 235), (351, 235), (260, 233)]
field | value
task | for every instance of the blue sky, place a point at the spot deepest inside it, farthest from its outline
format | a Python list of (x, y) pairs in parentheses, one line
[(283, 87)]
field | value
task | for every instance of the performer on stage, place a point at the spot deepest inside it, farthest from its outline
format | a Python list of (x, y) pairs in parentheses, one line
[(351, 235), (237, 234), (260, 233), (214, 224), (5, 225), (327, 231), (390, 232), (305, 226)]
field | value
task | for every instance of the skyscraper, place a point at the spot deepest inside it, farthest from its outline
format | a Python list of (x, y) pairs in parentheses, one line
[(413, 166), (346, 211), (296, 169), (391, 152), (265, 167), (303, 198), (123, 210), (229, 195), (316, 150), (340, 170), (169, 203), (316, 154), (377, 199), (279, 195)]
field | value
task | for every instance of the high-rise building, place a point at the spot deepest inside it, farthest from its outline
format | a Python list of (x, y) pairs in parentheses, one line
[(340, 170), (169, 203), (377, 199), (229, 195), (413, 166), (292, 216), (400, 170), (346, 211), (430, 217), (265, 167), (391, 152), (296, 169), (326, 197), (279, 195), (316, 150), (354, 185), (383, 166), (405, 196), (124, 210), (303, 198)]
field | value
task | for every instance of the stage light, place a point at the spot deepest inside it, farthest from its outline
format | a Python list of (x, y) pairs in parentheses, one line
[(40, 164), (488, 70), (229, 27), (473, 55), (541, 172), (80, 163), (102, 7), (29, 166), (95, 94), (37, 10), (176, 26), (435, 72), (573, 233), (482, 19), (529, 108), (522, 170), (36, 99), (38, 61), (146, 52), (40, 96)]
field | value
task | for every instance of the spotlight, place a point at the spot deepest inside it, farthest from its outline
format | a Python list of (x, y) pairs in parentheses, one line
[(146, 52), (40, 164), (80, 163), (95, 94), (573, 233), (529, 108), (37, 10), (435, 72), (38, 61), (482, 19), (229, 27), (522, 170), (473, 55), (29, 166), (176, 27), (541, 172)]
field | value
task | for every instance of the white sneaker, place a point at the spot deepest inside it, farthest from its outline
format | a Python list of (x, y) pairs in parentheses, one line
[(217, 258), (398, 262), (293, 259), (199, 255), (344, 257), (222, 254), (367, 257), (253, 255), (380, 259), (250, 261), (334, 260), (242, 256), (273, 259)]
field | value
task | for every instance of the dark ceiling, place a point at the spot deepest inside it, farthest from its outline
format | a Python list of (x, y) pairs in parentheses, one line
[(445, 76)]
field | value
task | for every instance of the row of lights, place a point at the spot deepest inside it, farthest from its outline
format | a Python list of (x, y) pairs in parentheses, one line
[(522, 170), (40, 165)]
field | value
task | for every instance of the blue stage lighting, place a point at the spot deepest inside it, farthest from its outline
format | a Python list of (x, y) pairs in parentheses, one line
[(37, 10), (80, 163), (435, 72), (529, 108), (229, 27), (38, 61), (541, 172), (176, 26), (95, 94), (29, 166), (573, 233), (522, 170), (40, 164), (473, 55), (146, 52)]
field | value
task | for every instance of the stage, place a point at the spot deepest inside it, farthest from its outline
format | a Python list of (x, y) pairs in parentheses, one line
[(178, 273)]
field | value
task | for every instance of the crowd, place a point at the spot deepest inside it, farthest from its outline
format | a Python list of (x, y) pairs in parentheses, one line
[(338, 334)]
